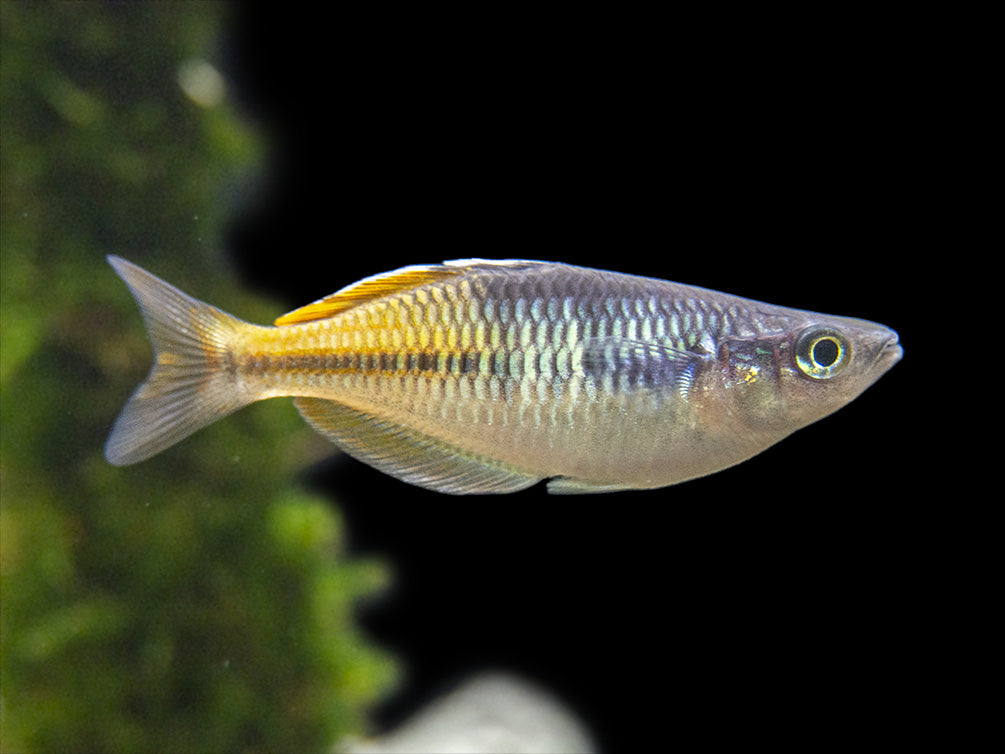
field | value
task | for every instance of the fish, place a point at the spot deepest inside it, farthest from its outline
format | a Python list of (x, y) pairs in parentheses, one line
[(483, 376)]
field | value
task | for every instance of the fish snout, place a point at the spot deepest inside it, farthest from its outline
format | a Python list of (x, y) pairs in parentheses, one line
[(888, 352)]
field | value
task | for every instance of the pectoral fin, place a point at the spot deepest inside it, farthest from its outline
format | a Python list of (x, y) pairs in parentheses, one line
[(409, 455), (564, 485), (641, 364)]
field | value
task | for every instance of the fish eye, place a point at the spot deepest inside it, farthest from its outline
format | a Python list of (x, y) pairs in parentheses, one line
[(822, 352)]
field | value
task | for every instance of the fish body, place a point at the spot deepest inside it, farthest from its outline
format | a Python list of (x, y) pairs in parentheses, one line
[(480, 376)]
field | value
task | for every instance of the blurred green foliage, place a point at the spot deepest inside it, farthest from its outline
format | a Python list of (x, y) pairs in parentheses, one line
[(196, 602)]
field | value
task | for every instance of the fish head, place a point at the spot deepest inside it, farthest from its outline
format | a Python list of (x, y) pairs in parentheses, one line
[(801, 368)]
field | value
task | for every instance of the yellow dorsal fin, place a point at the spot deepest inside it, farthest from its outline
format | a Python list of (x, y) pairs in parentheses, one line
[(368, 289)]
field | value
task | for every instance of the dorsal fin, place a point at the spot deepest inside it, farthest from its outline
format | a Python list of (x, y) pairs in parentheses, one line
[(367, 289)]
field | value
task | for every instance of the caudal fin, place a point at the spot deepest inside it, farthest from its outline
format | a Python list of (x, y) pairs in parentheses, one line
[(190, 384)]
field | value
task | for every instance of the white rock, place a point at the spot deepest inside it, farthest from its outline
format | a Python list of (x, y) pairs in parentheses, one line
[(491, 713)]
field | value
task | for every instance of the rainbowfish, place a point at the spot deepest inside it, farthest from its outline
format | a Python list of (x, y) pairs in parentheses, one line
[(480, 376)]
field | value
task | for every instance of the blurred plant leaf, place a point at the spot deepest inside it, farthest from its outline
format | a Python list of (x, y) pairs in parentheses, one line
[(196, 602)]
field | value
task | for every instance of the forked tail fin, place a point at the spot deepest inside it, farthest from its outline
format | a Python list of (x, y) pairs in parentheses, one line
[(191, 383)]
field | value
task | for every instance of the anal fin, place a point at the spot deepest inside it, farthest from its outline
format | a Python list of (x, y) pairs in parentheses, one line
[(410, 455)]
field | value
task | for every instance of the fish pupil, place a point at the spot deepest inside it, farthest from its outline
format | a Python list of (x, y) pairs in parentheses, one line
[(826, 352)]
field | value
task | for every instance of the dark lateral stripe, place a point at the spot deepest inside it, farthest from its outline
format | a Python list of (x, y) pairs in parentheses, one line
[(441, 363)]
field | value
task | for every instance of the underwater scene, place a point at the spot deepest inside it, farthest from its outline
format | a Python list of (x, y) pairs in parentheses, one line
[(178, 575)]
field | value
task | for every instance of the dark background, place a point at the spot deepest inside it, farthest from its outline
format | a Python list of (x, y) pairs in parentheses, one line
[(774, 598)]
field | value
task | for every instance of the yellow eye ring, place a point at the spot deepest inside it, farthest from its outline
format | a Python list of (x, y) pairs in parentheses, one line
[(821, 352)]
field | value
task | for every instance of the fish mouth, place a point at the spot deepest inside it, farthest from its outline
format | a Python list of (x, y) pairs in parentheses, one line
[(889, 353)]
